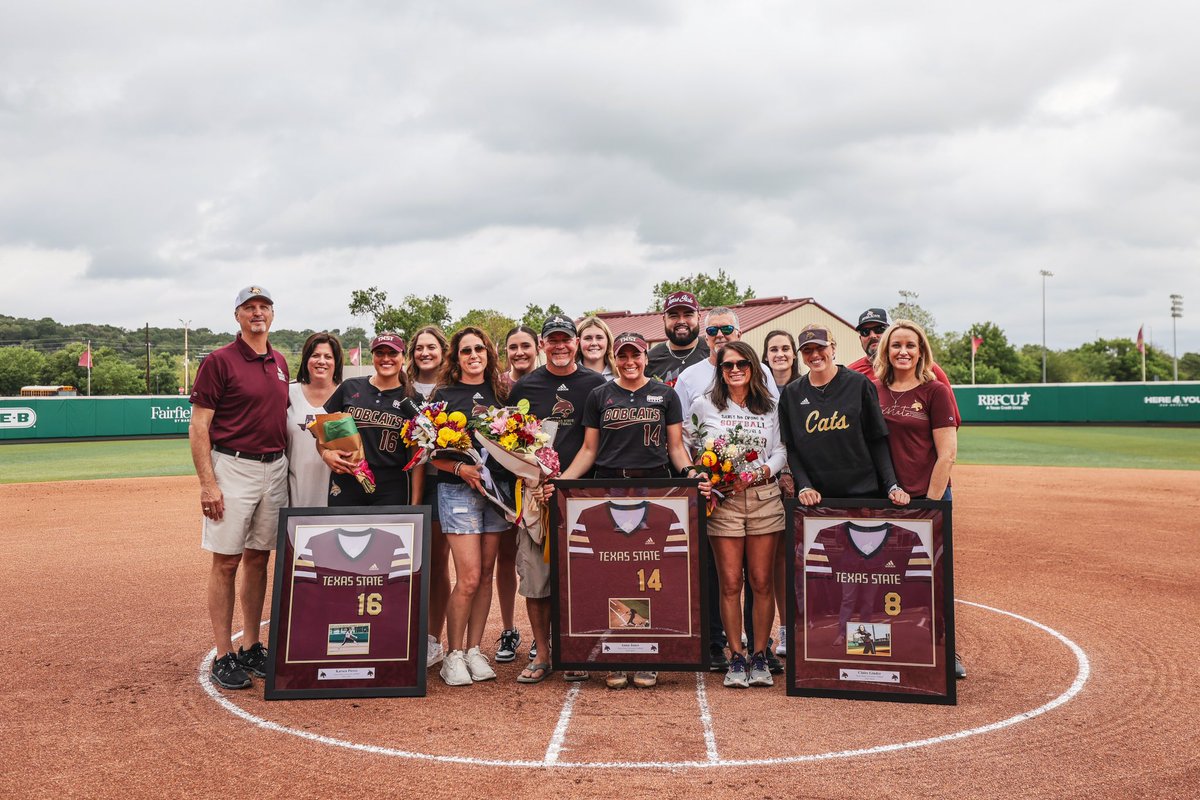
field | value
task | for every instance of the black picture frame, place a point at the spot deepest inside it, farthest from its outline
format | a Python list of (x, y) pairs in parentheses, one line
[(924, 679), (301, 626), (672, 652)]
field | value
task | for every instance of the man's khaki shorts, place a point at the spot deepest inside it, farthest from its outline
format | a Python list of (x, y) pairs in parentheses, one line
[(254, 492), (532, 568), (756, 511)]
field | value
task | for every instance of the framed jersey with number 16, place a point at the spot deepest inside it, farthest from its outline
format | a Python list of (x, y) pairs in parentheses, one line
[(348, 612), (627, 571), (870, 611)]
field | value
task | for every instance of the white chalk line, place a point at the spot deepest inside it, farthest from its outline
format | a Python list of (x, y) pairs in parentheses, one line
[(1081, 678), (710, 739), (560, 730)]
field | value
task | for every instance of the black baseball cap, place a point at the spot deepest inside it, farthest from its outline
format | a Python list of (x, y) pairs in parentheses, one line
[(630, 339), (812, 336), (872, 316), (560, 324)]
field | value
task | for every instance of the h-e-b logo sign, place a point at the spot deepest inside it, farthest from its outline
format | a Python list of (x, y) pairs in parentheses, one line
[(17, 417)]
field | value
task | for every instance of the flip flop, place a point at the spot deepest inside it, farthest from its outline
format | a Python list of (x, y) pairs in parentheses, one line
[(575, 676), (546, 669)]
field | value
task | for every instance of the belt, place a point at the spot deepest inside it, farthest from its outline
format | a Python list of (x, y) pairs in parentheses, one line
[(765, 481), (656, 472), (264, 457)]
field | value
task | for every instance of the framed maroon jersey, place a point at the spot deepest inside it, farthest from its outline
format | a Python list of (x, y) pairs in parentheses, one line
[(348, 611), (627, 569), (870, 601)]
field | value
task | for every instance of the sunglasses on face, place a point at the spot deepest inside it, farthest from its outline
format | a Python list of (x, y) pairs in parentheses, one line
[(712, 330), (874, 329), (466, 351), (741, 365)]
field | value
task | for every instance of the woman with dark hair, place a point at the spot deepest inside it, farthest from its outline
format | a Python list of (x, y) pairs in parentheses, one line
[(835, 434), (595, 346), (521, 353), (319, 374), (779, 354), (373, 401), (426, 357), (470, 382), (745, 528), (921, 416)]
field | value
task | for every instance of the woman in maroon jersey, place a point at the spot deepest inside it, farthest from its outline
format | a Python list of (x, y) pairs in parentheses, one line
[(921, 416)]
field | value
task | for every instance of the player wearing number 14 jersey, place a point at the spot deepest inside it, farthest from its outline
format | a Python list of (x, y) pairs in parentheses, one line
[(344, 580), (637, 551), (855, 575)]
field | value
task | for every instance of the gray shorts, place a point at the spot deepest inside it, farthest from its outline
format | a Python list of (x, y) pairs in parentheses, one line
[(464, 510), (254, 492), (532, 568)]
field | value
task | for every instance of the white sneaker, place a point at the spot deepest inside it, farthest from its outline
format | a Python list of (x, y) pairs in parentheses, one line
[(454, 669), (781, 648), (478, 667), (433, 653)]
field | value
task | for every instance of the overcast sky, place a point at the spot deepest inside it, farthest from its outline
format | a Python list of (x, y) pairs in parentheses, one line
[(155, 157)]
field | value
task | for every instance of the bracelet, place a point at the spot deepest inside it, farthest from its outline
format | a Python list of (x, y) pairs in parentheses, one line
[(457, 466), (895, 487)]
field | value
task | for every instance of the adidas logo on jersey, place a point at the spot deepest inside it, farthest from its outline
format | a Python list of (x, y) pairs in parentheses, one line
[(890, 565), (562, 387), (804, 402), (375, 568), (649, 540), (477, 396)]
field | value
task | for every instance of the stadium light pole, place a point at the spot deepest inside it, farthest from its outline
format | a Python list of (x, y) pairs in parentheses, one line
[(1045, 273), (1176, 313), (186, 370)]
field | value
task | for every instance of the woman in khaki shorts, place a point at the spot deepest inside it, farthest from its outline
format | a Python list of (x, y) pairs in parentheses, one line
[(748, 523)]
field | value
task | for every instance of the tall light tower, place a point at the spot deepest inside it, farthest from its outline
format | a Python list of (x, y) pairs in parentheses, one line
[(1045, 273), (1176, 313), (186, 366)]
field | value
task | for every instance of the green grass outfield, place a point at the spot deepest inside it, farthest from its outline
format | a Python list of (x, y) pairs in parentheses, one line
[(1069, 446)]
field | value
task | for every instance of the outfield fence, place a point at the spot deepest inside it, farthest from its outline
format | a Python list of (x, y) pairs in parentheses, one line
[(1162, 403)]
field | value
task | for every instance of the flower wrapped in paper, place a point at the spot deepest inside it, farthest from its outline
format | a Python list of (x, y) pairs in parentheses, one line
[(520, 443), (434, 433), (728, 461), (338, 431)]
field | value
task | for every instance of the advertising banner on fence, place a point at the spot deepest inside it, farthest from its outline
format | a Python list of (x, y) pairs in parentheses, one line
[(32, 418), (1156, 402)]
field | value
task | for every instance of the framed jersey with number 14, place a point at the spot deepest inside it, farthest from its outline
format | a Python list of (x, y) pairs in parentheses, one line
[(348, 612), (870, 612), (627, 565)]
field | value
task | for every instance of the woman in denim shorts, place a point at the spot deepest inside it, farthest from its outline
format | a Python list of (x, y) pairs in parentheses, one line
[(470, 383)]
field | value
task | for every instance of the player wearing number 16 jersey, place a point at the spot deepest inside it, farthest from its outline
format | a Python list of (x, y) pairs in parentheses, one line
[(348, 580), (855, 574)]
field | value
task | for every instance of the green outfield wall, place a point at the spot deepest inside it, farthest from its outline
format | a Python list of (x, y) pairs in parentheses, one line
[(1022, 404), (25, 418)]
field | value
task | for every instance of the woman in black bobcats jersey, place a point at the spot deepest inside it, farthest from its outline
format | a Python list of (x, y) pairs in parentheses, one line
[(633, 428), (470, 383), (374, 402), (835, 434)]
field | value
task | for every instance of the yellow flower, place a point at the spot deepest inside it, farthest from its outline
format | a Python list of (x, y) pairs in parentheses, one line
[(709, 458), (440, 419), (510, 425), (727, 466), (508, 441), (457, 418), (714, 478)]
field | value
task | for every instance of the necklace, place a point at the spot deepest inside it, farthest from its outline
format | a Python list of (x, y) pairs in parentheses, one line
[(821, 389), (895, 397), (686, 355)]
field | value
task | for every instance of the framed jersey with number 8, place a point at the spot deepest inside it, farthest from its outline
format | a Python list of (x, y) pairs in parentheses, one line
[(628, 564), (870, 612), (348, 612)]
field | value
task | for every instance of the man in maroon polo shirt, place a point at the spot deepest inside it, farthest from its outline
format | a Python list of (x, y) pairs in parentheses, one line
[(238, 433), (871, 325)]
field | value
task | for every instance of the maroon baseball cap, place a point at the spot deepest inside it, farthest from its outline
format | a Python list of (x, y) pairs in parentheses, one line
[(391, 341), (818, 336), (631, 340), (686, 299)]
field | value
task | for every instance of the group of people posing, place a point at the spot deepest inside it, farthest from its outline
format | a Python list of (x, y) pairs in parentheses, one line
[(883, 427)]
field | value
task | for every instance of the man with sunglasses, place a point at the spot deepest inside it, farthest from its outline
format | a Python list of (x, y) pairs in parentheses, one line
[(720, 326), (871, 325), (683, 347)]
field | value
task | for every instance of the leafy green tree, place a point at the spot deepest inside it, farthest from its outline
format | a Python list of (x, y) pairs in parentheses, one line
[(112, 376), (908, 308), (19, 367), (1119, 360), (710, 290), (996, 362), (413, 313), (166, 373), (535, 316), (62, 368), (496, 324), (1189, 367)]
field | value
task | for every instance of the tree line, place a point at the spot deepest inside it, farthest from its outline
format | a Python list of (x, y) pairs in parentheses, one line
[(47, 352)]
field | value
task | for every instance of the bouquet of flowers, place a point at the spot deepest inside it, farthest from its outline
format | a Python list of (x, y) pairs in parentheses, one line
[(338, 432), (729, 460), (436, 434), (520, 443)]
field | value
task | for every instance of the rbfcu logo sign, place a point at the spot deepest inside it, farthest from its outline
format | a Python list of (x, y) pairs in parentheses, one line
[(17, 418), (1004, 402)]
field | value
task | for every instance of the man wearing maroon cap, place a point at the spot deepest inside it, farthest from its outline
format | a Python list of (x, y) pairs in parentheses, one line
[(684, 347), (238, 433)]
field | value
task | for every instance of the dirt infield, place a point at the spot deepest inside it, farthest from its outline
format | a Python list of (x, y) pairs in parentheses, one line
[(106, 632)]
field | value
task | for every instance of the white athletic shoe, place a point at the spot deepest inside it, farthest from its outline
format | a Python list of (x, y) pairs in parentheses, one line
[(454, 669), (781, 648), (434, 653), (478, 667)]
